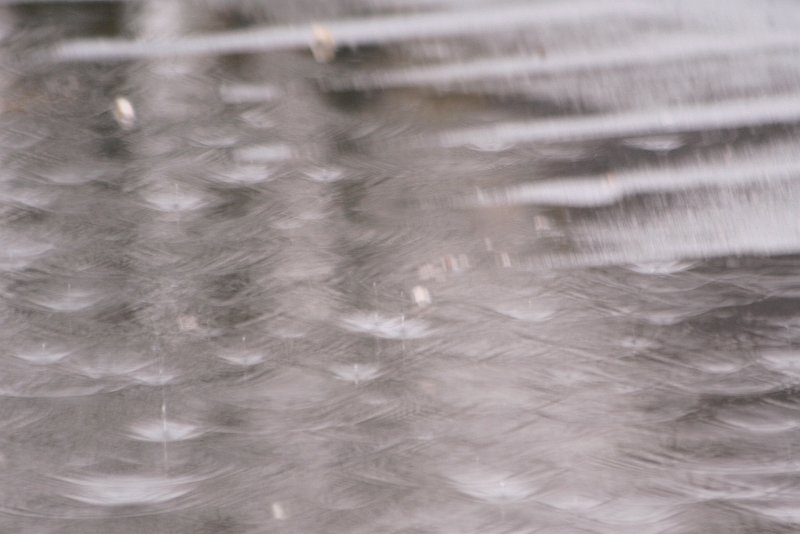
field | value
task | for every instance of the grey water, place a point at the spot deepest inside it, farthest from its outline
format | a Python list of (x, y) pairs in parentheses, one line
[(399, 266)]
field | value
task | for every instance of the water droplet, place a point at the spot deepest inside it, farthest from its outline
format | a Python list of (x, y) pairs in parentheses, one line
[(278, 512), (124, 113), (421, 296)]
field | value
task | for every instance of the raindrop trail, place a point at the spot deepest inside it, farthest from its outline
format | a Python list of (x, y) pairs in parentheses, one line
[(352, 32), (739, 113), (640, 54)]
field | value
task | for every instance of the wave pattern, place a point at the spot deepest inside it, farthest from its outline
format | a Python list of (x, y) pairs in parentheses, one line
[(429, 266)]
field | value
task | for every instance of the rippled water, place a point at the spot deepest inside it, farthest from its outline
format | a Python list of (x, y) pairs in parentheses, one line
[(399, 266)]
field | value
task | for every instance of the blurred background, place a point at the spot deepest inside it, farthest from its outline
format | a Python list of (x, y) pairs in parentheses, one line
[(399, 266)]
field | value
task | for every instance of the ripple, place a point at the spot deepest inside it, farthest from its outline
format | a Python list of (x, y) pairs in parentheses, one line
[(264, 153), (356, 373), (491, 487), (666, 317), (118, 490), (71, 175), (528, 312), (634, 511), (324, 174), (17, 251), (28, 196), (783, 361), (570, 499), (718, 363), (778, 509), (245, 174), (386, 327), (240, 93), (43, 354), (639, 343), (761, 418), (215, 136), (68, 298), (175, 199), (111, 365), (158, 430), (664, 267), (242, 358), (152, 376)]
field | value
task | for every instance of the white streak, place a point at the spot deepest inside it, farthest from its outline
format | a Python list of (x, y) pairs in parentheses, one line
[(581, 192), (709, 116), (354, 32), (649, 52)]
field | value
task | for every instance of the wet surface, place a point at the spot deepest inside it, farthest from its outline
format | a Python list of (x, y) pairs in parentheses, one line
[(379, 274)]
